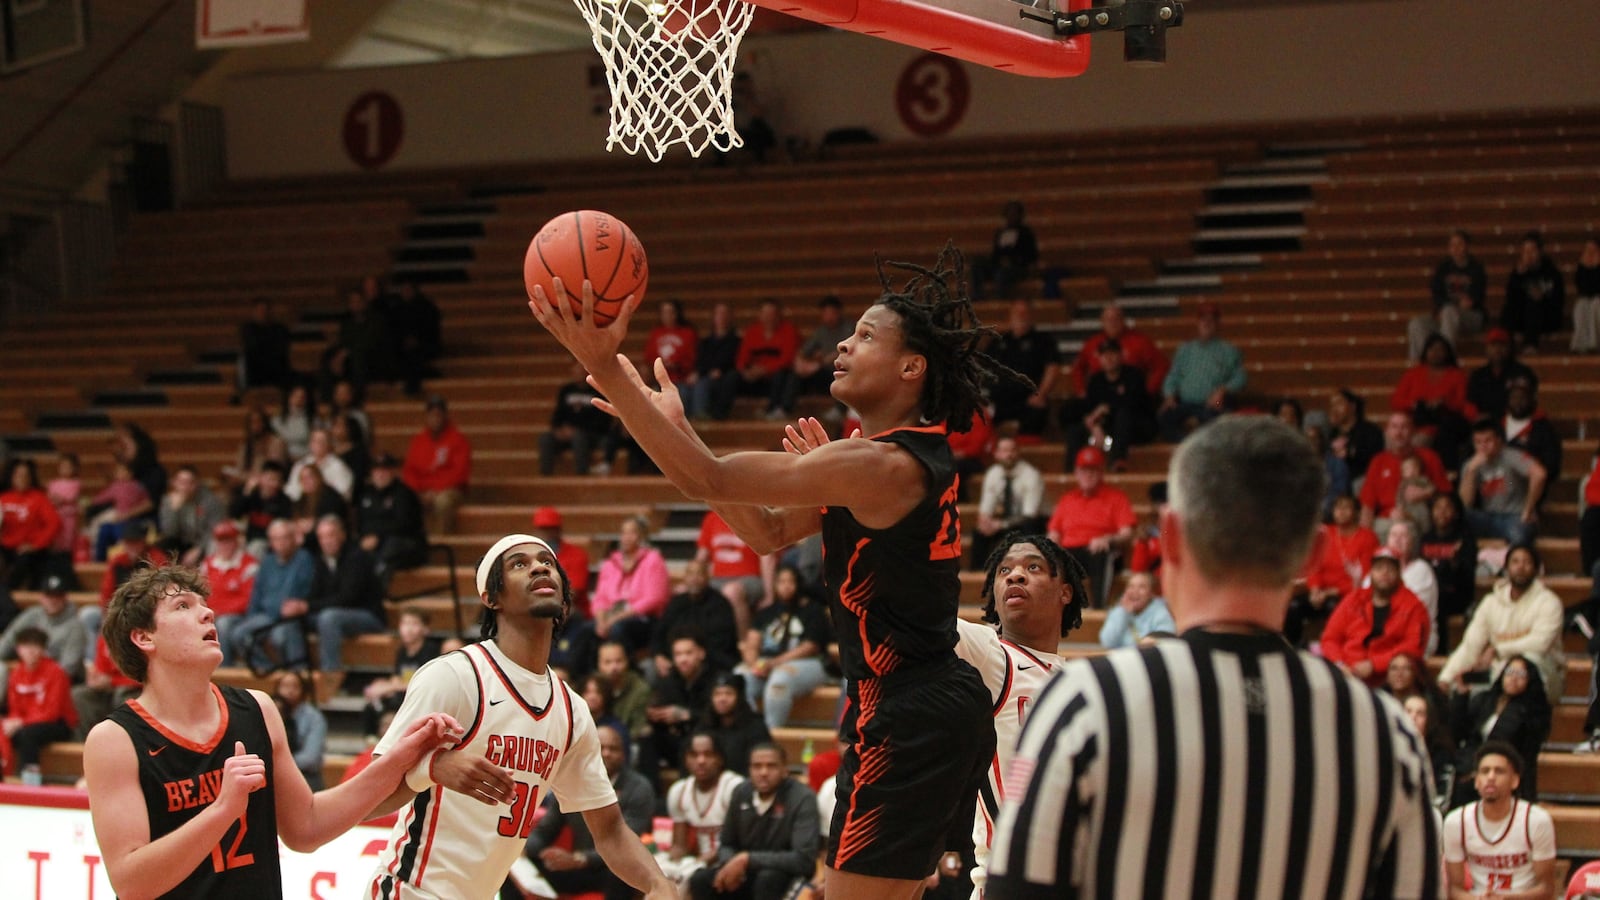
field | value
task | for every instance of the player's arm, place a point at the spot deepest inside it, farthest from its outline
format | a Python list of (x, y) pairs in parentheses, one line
[(624, 853), (137, 866), (306, 821)]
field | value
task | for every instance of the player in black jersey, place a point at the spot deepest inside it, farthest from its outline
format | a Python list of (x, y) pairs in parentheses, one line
[(176, 776), (918, 725)]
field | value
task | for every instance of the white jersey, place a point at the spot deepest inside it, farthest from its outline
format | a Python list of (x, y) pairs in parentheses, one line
[(448, 845), (704, 814), (1014, 676), (1499, 855)]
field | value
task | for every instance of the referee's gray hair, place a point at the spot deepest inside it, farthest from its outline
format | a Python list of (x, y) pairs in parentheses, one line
[(1248, 491)]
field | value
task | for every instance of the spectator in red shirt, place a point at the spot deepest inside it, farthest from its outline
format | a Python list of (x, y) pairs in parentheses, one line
[(1434, 391), (28, 526), (104, 688), (674, 342), (438, 466), (1094, 521), (972, 451), (136, 549), (766, 348), (574, 558), (1138, 351), (231, 572), (39, 708), (1382, 486), (1373, 625), (1344, 555), (740, 573)]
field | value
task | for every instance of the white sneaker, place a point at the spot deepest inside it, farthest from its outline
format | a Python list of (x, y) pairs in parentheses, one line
[(1592, 745)]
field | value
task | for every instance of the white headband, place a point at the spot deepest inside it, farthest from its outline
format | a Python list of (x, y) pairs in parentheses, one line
[(501, 546)]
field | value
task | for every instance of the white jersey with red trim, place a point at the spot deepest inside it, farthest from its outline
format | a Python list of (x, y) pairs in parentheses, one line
[(702, 813), (448, 845), (1014, 676), (1499, 855)]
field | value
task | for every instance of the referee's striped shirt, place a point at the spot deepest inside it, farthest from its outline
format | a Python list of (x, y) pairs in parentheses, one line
[(1217, 765)]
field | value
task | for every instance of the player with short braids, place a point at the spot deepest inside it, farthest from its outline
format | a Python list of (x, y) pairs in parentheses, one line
[(938, 321), (1061, 564), (495, 584)]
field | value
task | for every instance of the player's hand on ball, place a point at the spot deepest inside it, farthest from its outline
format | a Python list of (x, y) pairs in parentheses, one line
[(592, 345), (473, 776), (243, 774)]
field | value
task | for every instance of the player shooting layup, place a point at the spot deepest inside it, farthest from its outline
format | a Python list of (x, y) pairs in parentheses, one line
[(918, 721)]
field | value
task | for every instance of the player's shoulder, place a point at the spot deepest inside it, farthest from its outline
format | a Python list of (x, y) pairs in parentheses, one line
[(1539, 816), (1452, 819)]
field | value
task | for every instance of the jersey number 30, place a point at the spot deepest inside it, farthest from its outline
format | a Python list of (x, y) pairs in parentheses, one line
[(519, 822)]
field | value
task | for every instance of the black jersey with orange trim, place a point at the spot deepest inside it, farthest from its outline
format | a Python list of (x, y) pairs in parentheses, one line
[(896, 591), (181, 778)]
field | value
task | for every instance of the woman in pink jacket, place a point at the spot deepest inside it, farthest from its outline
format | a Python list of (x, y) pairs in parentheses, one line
[(632, 588)]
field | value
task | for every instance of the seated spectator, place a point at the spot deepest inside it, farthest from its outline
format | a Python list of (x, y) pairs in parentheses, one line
[(1407, 677), (1144, 554), (1094, 521), (629, 694), (1536, 294), (631, 589), (231, 572), (1501, 487), (1488, 384), (698, 804), (1372, 625), (782, 652), (1036, 354), (1011, 499), (293, 422), (1404, 542), (259, 446), (733, 721), (187, 513), (389, 521), (306, 726), (65, 492), (1115, 412), (1350, 436), (575, 425), (415, 647), (1515, 709), (1137, 616), (136, 551), (1138, 352), (133, 445), (574, 558), (770, 837), (261, 502), (674, 342), (1586, 306), (1434, 391), (344, 601), (572, 867), (351, 447), (28, 526), (54, 615), (1528, 429), (740, 573), (812, 372), (365, 350), (1520, 617), (317, 501), (347, 402), (597, 696), (1414, 499), (1207, 374), (767, 349), (283, 581), (123, 499), (39, 709), (104, 688), (1430, 721), (320, 456), (439, 467), (1289, 411), (716, 375), (677, 702), (1339, 562), (416, 323), (264, 345), (1334, 467), (971, 450), (1458, 286), (1013, 256), (1452, 551), (705, 609), (1381, 491)]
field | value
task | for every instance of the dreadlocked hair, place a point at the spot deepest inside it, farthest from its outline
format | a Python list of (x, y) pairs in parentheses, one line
[(495, 585), (939, 322), (1061, 563)]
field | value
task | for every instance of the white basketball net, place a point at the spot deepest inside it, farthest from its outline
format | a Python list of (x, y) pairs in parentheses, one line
[(669, 65)]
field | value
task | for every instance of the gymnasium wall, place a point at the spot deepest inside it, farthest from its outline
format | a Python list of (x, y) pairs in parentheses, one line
[(1311, 61)]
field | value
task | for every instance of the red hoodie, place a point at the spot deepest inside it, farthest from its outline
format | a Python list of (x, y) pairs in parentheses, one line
[(28, 518), (438, 462), (1344, 638), (41, 694), (1344, 561)]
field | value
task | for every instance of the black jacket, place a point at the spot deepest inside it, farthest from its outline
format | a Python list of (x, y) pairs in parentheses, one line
[(786, 838), (351, 584)]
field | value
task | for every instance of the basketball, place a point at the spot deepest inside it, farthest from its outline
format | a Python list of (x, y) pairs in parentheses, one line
[(593, 245)]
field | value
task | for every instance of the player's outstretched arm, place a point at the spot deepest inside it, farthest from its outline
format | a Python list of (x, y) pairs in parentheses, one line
[(624, 853), (306, 821), (137, 866)]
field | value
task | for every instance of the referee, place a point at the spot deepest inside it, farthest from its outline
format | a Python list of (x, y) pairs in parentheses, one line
[(1223, 764)]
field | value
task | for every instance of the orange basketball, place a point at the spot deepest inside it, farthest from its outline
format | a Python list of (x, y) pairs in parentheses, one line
[(593, 245)]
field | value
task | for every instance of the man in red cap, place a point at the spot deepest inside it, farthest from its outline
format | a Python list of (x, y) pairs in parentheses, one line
[(1093, 521), (574, 558), (1372, 625), (231, 572), (1206, 374), (1489, 384)]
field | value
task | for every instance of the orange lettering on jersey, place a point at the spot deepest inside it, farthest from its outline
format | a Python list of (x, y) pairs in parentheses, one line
[(947, 542), (187, 787), (210, 785), (174, 795)]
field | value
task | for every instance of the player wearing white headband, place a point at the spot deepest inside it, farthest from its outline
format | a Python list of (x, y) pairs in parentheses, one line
[(467, 812)]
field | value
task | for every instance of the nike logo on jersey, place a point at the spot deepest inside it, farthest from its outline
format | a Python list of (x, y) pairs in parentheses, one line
[(1021, 668), (497, 702), (158, 749)]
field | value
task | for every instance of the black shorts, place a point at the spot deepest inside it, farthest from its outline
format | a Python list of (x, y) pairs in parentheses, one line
[(919, 744)]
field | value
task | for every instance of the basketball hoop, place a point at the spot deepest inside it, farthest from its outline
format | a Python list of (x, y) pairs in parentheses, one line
[(669, 66)]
